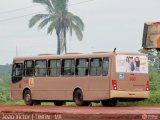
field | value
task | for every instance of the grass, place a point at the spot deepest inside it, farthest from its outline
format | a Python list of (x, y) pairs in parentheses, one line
[(154, 100)]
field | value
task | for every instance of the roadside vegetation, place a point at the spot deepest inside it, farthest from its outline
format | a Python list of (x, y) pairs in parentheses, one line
[(154, 76), (5, 79)]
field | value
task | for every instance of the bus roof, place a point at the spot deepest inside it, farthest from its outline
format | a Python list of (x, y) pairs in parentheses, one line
[(74, 55)]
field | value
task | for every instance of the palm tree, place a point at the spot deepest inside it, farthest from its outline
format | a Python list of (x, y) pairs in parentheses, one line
[(60, 20)]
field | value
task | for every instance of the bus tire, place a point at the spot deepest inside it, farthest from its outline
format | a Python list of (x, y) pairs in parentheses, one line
[(59, 103), (109, 103), (78, 98), (28, 98)]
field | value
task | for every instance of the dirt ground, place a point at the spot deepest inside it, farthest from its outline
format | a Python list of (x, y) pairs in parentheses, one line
[(78, 113)]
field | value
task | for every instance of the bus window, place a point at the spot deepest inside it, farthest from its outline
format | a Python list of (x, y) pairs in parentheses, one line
[(41, 68), (68, 67), (95, 67), (17, 72), (82, 67), (105, 66), (54, 67), (29, 68)]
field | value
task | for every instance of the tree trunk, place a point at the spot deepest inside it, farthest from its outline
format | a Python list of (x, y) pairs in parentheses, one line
[(58, 44), (65, 44), (61, 42)]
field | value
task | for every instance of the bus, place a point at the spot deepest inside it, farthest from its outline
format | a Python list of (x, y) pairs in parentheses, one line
[(105, 77)]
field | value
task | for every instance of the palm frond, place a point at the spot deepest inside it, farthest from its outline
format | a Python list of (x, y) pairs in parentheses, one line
[(69, 25), (60, 5), (78, 31), (44, 2), (36, 19), (44, 22), (47, 3), (77, 20), (52, 26)]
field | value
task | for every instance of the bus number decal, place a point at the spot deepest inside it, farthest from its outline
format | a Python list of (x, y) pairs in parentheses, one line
[(132, 78), (26, 82)]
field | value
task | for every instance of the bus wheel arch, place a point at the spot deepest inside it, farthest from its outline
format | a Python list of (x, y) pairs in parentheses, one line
[(78, 97), (24, 92), (27, 96)]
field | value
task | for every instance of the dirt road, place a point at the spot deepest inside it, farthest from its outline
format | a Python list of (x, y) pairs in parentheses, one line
[(78, 113)]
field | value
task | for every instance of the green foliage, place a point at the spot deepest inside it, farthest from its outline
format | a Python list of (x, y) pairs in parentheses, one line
[(4, 96), (5, 69), (154, 97), (5, 79), (154, 77)]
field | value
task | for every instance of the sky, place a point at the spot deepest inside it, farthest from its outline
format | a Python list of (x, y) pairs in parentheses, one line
[(109, 24)]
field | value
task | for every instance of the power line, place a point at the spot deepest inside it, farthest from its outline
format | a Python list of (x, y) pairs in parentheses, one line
[(28, 7), (15, 10), (80, 2), (17, 17)]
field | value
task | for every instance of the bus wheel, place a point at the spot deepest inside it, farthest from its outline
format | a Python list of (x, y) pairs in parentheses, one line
[(59, 103), (110, 102), (28, 98), (78, 98)]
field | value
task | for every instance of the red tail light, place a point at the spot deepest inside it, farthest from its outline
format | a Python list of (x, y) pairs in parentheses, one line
[(114, 84), (147, 86)]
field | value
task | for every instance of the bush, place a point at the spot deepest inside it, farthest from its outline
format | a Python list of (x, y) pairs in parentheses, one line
[(154, 78)]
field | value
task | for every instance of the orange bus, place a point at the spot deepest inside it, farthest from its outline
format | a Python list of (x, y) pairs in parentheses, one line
[(105, 77)]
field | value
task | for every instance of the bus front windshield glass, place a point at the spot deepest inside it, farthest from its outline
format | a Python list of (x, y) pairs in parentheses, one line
[(17, 72)]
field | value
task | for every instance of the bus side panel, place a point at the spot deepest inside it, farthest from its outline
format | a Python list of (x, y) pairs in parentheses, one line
[(53, 89), (95, 90), (76, 83), (98, 88), (16, 91)]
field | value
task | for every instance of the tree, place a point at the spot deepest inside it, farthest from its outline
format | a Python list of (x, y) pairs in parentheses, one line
[(153, 58), (60, 20)]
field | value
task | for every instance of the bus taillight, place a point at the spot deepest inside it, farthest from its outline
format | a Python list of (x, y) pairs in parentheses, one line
[(114, 84), (147, 86)]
